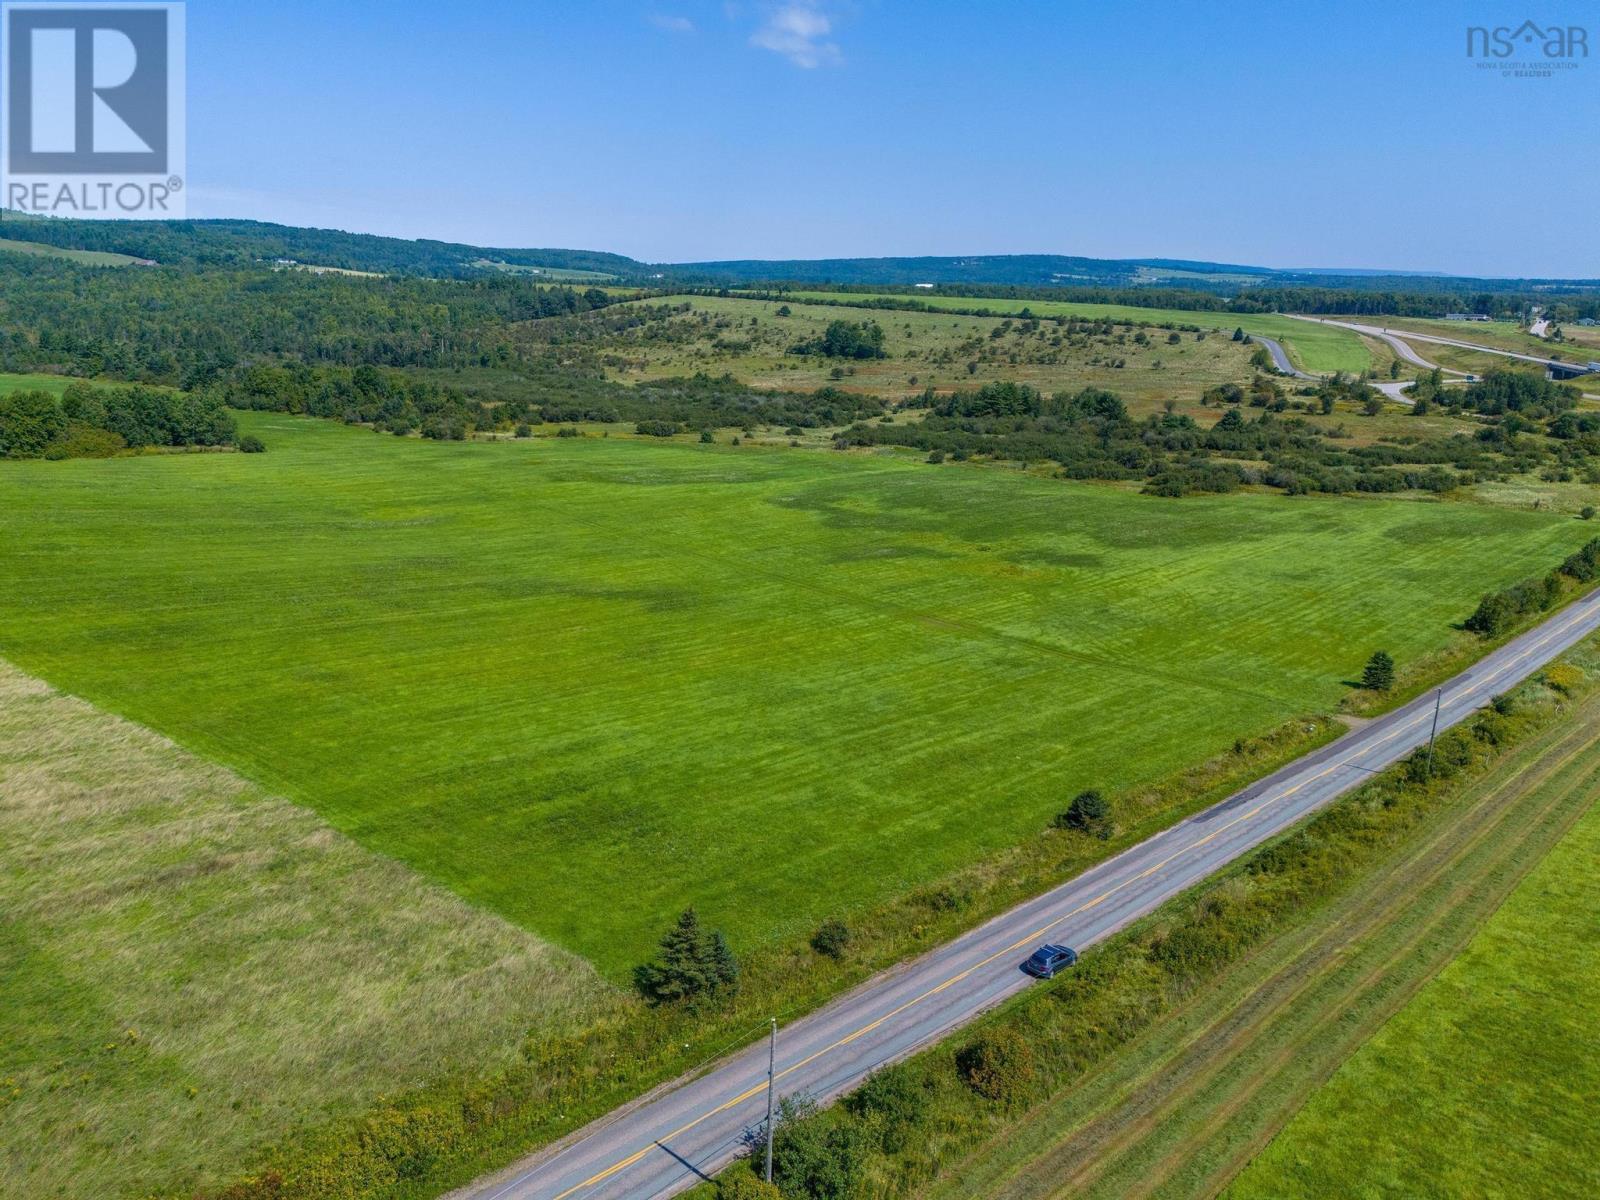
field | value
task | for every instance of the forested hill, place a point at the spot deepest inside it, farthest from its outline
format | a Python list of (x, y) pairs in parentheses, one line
[(239, 243), (243, 243), (1028, 270)]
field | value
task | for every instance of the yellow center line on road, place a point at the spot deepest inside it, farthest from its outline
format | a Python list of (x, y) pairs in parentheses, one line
[(1423, 715)]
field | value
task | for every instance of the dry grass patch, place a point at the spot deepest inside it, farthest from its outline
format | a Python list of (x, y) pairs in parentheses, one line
[(195, 968)]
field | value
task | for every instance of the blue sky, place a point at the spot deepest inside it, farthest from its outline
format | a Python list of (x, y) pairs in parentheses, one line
[(1283, 134)]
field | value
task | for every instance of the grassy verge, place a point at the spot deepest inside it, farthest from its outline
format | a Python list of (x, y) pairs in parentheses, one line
[(1173, 1053), (1486, 1083)]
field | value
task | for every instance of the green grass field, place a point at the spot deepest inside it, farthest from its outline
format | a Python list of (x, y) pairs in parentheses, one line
[(585, 682), (87, 258), (747, 338), (1488, 1082), (1313, 347), (195, 968), (1178, 1111), (54, 384)]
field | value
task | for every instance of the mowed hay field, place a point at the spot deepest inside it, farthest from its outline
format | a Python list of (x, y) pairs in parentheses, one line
[(1488, 1082), (586, 682), (1313, 347), (193, 968)]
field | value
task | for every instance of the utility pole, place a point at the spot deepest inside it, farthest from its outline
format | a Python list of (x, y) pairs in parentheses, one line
[(772, 1064), (1437, 697)]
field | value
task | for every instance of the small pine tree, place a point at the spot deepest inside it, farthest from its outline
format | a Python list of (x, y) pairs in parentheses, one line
[(1089, 812), (692, 963), (1378, 676), (722, 967)]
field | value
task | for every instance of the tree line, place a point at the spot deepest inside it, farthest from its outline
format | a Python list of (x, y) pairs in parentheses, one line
[(94, 422)]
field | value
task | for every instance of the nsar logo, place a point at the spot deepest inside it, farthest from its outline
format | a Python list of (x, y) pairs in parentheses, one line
[(1529, 50)]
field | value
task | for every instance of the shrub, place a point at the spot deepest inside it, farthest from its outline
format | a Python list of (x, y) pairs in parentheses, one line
[(894, 1101), (524, 430), (571, 431), (936, 456), (1089, 812), (86, 441), (251, 444), (813, 1157), (831, 938), (1584, 564), (1563, 678), (1498, 611), (661, 429), (998, 1066), (741, 1183)]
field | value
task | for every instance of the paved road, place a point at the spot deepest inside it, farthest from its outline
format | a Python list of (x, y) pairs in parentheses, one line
[(664, 1144), (1406, 352), (1279, 358), (1401, 347)]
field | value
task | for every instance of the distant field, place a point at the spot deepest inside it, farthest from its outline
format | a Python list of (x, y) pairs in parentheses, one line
[(556, 274), (1484, 1084), (55, 384), (747, 338), (183, 951), (530, 669), (1488, 1082), (88, 258), (1314, 348)]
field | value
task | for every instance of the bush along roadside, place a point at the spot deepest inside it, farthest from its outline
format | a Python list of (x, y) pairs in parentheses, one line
[(911, 1120), (1498, 612), (1499, 617), (419, 1144)]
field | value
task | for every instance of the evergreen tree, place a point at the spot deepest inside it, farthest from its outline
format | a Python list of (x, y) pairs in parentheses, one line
[(1089, 812), (723, 967), (691, 963), (1379, 673)]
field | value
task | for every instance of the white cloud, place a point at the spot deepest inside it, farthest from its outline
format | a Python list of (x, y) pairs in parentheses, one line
[(672, 24), (799, 32)]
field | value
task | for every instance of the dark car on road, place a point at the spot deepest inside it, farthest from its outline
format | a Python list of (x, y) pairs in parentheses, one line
[(1044, 962)]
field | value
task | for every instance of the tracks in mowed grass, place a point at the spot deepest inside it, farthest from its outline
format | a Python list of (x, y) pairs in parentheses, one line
[(1220, 1076)]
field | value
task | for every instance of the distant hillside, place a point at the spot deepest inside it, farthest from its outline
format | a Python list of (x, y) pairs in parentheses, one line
[(1022, 270), (244, 243), (240, 243)]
